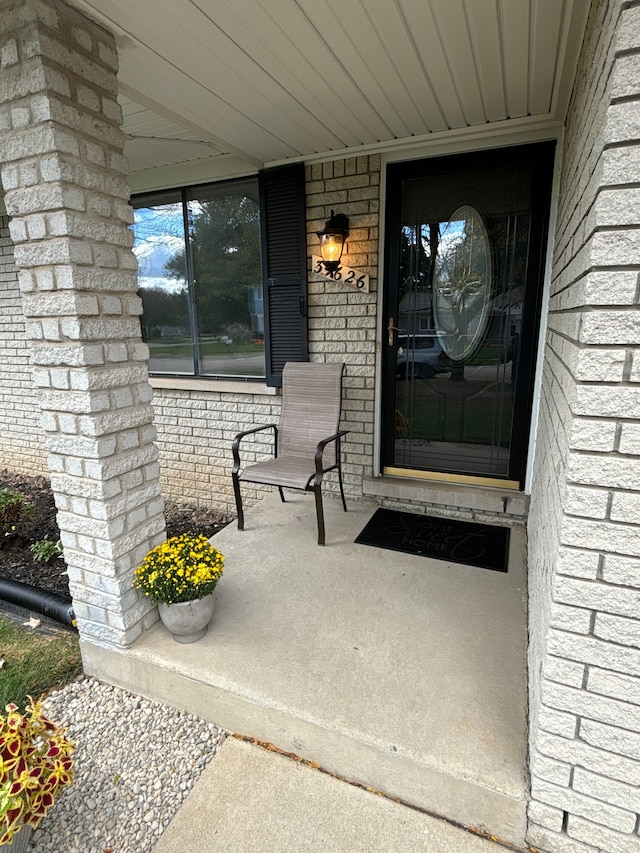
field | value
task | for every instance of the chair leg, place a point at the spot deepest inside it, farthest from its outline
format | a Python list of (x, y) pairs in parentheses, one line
[(344, 503), (319, 514), (236, 491), (281, 494)]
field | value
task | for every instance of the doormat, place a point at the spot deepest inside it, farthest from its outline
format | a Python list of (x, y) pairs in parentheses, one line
[(481, 545)]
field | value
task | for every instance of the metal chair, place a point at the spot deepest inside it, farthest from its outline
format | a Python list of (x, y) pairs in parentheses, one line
[(306, 440)]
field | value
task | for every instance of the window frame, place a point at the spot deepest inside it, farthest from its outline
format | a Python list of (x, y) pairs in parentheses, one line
[(184, 195), (282, 209)]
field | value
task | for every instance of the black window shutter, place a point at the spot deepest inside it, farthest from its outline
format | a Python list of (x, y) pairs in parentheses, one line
[(284, 267)]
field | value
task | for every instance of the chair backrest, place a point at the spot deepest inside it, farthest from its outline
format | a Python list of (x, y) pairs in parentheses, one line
[(311, 404)]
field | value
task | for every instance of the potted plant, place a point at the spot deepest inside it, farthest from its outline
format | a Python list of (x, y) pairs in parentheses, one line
[(35, 764), (181, 575)]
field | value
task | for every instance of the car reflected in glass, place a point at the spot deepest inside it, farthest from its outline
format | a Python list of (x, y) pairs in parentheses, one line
[(421, 356)]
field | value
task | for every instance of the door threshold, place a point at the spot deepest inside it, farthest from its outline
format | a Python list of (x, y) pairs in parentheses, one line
[(443, 477), (468, 497)]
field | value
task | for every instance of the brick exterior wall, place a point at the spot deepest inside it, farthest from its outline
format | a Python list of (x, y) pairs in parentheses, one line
[(584, 534), (64, 178), (342, 321), (196, 428), (21, 447)]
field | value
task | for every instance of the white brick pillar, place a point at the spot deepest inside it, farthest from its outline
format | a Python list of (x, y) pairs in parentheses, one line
[(64, 177), (584, 533)]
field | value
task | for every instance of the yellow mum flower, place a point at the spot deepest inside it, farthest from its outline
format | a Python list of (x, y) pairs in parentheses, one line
[(180, 569)]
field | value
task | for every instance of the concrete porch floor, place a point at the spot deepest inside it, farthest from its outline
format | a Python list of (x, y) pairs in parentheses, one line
[(404, 674)]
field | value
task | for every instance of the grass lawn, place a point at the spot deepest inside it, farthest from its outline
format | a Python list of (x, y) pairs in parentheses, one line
[(33, 663), (177, 347)]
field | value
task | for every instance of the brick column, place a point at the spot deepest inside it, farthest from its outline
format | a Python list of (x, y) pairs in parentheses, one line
[(64, 176), (584, 533)]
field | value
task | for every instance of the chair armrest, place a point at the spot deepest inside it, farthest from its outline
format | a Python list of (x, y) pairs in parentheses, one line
[(235, 447), (320, 450)]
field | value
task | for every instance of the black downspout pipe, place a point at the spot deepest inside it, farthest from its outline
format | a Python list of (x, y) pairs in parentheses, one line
[(39, 600)]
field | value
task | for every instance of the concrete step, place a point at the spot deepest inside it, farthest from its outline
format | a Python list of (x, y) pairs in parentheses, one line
[(249, 799)]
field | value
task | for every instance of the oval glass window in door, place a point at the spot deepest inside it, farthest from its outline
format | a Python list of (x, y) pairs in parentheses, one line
[(462, 283)]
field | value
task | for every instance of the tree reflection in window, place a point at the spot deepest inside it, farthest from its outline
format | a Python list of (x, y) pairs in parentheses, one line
[(200, 280), (462, 283)]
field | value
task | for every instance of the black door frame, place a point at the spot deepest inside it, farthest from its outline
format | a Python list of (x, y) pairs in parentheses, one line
[(539, 155)]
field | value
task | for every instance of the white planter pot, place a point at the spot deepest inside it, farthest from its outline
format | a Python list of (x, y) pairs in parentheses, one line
[(188, 621)]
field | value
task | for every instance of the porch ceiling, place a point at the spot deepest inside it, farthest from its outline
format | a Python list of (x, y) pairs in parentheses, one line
[(268, 80)]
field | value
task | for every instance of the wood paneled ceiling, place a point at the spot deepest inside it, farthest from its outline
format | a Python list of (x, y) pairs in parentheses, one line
[(267, 80)]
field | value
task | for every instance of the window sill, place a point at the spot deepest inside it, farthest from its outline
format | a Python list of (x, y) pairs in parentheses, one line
[(223, 386)]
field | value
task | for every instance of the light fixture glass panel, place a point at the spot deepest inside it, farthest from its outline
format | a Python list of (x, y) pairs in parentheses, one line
[(331, 247)]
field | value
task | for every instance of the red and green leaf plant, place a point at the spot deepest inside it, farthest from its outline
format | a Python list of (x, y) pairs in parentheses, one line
[(35, 764)]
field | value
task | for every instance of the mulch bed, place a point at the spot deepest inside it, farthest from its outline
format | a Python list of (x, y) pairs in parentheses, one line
[(17, 562)]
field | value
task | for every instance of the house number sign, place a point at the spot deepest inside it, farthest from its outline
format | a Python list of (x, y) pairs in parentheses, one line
[(344, 275)]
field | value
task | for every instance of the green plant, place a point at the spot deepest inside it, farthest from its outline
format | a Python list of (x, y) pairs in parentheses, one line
[(15, 507), (31, 663), (181, 569), (46, 549), (35, 764)]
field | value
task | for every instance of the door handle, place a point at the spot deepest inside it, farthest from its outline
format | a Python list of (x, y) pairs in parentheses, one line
[(391, 329)]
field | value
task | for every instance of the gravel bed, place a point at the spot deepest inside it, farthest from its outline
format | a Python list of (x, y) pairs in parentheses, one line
[(135, 763)]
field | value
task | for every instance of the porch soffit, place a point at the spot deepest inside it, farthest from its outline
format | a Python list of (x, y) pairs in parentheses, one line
[(257, 81)]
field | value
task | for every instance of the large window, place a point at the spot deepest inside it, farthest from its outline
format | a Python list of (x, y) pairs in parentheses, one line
[(200, 279)]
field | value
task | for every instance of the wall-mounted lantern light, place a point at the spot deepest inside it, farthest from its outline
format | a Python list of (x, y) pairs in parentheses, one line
[(332, 240)]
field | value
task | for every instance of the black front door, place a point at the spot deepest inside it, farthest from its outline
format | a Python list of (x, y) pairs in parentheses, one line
[(465, 248)]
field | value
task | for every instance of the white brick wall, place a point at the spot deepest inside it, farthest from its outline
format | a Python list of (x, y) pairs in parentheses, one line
[(196, 428), (584, 524), (195, 431), (20, 438), (342, 321)]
